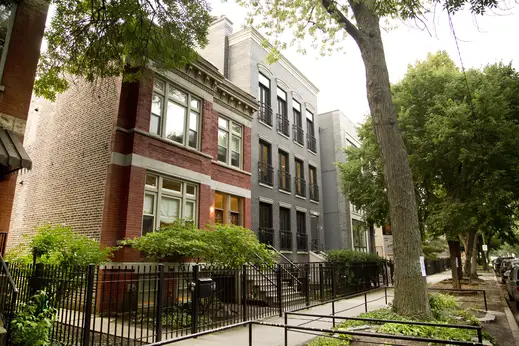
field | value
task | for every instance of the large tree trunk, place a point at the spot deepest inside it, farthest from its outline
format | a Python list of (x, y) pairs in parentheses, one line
[(454, 249), (474, 259), (411, 297), (468, 253)]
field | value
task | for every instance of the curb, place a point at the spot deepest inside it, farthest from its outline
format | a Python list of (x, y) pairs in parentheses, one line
[(509, 315)]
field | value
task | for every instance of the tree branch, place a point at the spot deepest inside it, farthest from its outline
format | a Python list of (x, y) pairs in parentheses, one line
[(341, 18)]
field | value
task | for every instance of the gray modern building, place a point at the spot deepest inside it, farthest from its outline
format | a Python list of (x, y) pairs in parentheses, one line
[(345, 228), (286, 192)]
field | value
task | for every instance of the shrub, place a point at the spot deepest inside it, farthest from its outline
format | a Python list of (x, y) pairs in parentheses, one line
[(227, 245), (31, 326), (350, 257)]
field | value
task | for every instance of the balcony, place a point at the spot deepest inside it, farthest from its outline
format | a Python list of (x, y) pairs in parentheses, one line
[(283, 125), (284, 181), (299, 134), (300, 187), (311, 143), (302, 241), (286, 240), (314, 192), (266, 173), (266, 236), (265, 114)]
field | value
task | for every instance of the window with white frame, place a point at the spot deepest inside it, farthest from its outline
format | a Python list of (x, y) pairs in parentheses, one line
[(175, 114), (7, 13), (166, 200), (229, 142)]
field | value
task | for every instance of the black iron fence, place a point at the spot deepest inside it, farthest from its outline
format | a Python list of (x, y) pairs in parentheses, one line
[(266, 173), (434, 266), (143, 303), (265, 114), (283, 125)]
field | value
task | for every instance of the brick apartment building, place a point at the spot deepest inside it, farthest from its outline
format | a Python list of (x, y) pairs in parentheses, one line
[(118, 160), (21, 32)]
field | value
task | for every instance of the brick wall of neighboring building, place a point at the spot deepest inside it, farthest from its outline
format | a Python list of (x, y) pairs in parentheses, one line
[(17, 81), (69, 144)]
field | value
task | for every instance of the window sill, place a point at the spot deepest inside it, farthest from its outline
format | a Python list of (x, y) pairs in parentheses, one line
[(285, 192), (299, 252), (283, 135), (300, 197), (286, 251), (164, 140), (314, 201), (299, 144), (264, 123), (312, 152), (230, 167), (267, 186)]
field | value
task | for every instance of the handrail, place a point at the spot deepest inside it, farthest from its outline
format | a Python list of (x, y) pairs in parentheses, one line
[(8, 274), (261, 273), (289, 261)]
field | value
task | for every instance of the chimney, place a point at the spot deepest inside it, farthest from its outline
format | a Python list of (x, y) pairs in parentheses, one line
[(217, 49)]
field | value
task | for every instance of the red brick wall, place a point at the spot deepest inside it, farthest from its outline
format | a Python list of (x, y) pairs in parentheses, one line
[(7, 188), (210, 130)]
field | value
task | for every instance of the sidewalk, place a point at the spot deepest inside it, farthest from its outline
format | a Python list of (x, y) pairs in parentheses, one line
[(270, 336)]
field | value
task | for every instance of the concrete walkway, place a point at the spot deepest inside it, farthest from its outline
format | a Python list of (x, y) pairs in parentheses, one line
[(270, 336)]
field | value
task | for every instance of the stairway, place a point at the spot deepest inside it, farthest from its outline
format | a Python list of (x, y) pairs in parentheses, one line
[(263, 288)]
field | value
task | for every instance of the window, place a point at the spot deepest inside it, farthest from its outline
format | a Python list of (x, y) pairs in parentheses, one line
[(284, 229), (284, 171), (265, 111), (298, 123), (299, 180), (266, 233), (282, 117), (228, 209), (175, 114), (7, 13), (229, 142), (302, 237), (359, 236), (265, 163), (314, 188), (310, 132), (166, 200)]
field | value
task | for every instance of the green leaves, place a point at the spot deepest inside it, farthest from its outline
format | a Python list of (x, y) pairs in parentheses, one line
[(227, 245), (104, 38)]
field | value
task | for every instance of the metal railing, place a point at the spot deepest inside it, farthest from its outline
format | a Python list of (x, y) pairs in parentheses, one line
[(311, 143), (283, 125), (265, 114), (462, 292), (8, 296), (284, 181), (300, 185), (285, 238), (314, 192), (316, 246), (302, 241), (266, 173), (266, 235), (299, 134)]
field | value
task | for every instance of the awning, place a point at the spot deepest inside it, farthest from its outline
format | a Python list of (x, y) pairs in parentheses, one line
[(12, 153)]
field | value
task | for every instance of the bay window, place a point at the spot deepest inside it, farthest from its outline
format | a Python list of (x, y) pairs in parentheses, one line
[(166, 200)]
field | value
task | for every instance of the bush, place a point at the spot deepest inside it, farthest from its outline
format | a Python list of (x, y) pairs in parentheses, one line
[(227, 245), (350, 257), (60, 245), (31, 326)]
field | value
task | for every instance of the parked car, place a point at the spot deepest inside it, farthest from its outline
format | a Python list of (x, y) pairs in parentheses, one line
[(512, 284), (506, 266), (498, 262)]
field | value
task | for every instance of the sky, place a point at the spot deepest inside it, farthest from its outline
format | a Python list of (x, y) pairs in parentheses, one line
[(340, 78)]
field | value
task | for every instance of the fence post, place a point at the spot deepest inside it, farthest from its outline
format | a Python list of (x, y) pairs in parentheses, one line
[(385, 293), (250, 333), (244, 293), (485, 297), (36, 279), (307, 283), (334, 283), (159, 304), (321, 282), (194, 301), (286, 330), (366, 302), (88, 307), (279, 289)]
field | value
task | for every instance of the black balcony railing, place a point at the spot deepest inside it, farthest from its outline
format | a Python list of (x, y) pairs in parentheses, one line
[(311, 143), (266, 173), (299, 134), (300, 187), (284, 181), (266, 235), (283, 125), (265, 114), (302, 242), (314, 192), (286, 240)]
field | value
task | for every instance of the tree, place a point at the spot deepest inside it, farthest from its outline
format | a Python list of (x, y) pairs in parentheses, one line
[(104, 38), (327, 22)]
